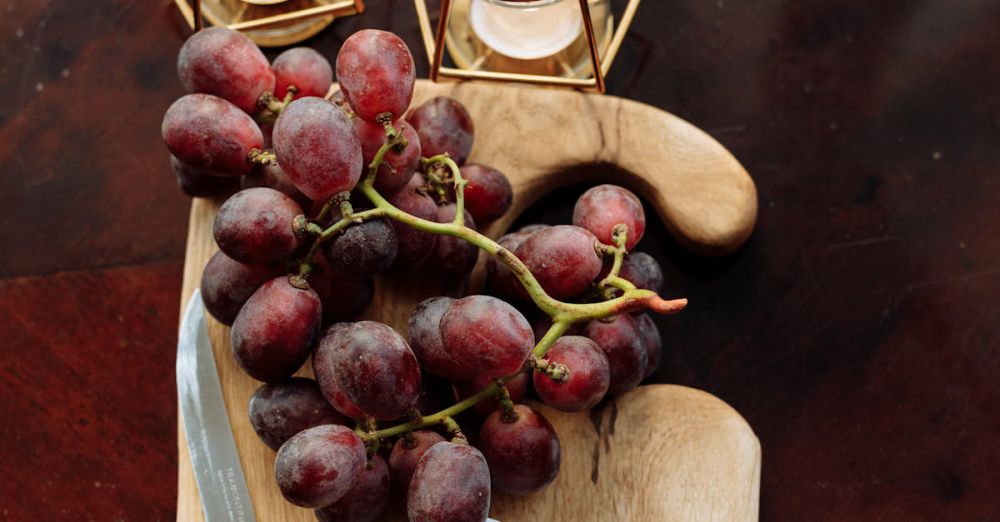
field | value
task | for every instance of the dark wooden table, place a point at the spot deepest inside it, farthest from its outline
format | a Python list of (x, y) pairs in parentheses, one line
[(858, 331)]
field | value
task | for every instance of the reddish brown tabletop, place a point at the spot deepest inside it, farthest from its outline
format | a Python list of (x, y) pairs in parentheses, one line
[(857, 331)]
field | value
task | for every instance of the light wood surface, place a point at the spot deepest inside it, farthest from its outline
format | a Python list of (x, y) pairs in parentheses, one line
[(658, 453)]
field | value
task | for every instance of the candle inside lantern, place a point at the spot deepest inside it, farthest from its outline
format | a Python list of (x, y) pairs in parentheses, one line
[(526, 29)]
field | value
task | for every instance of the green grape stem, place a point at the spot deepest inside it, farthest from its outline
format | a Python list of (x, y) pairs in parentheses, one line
[(563, 314)]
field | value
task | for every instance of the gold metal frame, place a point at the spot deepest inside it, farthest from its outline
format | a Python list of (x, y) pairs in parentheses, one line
[(192, 13), (434, 43)]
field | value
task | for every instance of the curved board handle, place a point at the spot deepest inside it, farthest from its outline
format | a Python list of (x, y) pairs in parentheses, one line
[(539, 138)]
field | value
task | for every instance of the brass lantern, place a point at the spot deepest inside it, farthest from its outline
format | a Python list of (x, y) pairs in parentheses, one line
[(572, 46)]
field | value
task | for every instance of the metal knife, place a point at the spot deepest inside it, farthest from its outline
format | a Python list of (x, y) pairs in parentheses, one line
[(221, 484)]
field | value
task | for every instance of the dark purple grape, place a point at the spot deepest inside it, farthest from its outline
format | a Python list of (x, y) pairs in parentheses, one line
[(318, 466), (322, 363), (376, 369), (274, 177), (363, 249), (425, 339), (375, 70), (304, 68), (256, 226), (642, 270), (226, 284), (344, 295), (367, 499), (452, 256), (211, 134), (444, 126), (488, 195), (316, 145), (562, 258), (486, 335), (502, 281), (280, 410), (542, 324), (413, 246), (516, 387), (451, 483), (406, 454), (649, 334), (397, 167), (274, 330), (619, 339), (435, 395), (604, 206), (589, 375), (199, 183), (227, 64), (523, 455)]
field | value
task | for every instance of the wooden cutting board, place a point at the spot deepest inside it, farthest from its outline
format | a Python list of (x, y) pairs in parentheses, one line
[(658, 453)]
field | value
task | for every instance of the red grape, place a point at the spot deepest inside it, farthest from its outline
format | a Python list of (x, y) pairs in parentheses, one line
[(227, 64), (651, 341), (642, 270), (444, 126), (502, 281), (531, 229), (376, 369), (453, 256), (280, 410), (273, 176), (339, 99), (516, 387), (589, 375), (304, 68), (397, 167), (318, 466), (375, 70), (405, 456), (199, 183), (367, 499), (226, 284), (562, 258), (425, 339), (316, 145), (488, 195), (255, 226), (486, 335), (523, 455), (604, 206), (618, 338), (211, 134), (322, 363), (451, 483), (344, 295), (274, 330), (413, 246), (364, 249)]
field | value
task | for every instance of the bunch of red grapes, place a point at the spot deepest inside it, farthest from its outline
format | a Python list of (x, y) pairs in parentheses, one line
[(390, 191)]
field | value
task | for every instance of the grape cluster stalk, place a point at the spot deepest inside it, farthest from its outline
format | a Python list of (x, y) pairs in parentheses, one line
[(562, 314)]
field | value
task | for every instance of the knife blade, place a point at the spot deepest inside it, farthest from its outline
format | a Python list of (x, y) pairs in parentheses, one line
[(221, 483)]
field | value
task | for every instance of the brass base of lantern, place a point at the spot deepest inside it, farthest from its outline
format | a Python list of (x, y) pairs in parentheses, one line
[(272, 24), (565, 74), (469, 52)]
